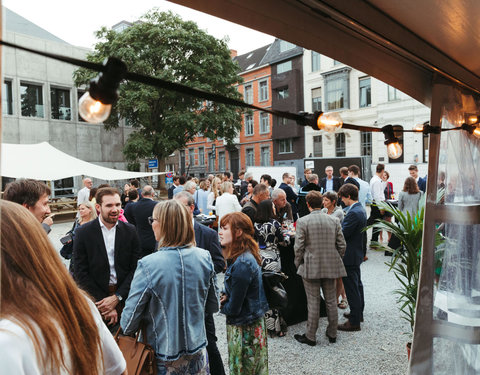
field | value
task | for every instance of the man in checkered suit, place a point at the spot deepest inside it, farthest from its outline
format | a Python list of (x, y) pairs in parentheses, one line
[(319, 248)]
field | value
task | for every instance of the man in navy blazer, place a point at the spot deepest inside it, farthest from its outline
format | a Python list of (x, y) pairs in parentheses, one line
[(206, 238), (105, 254), (137, 213), (330, 182), (352, 226), (421, 182)]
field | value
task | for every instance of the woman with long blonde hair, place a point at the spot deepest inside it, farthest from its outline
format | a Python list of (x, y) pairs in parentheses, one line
[(214, 194), (47, 325)]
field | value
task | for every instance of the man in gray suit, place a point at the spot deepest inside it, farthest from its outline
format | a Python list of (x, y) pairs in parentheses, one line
[(319, 248)]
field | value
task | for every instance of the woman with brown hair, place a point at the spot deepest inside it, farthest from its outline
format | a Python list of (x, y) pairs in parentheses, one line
[(47, 325), (170, 293), (244, 302), (409, 197)]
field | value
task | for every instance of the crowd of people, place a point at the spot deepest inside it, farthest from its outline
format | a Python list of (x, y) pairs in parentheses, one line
[(139, 263)]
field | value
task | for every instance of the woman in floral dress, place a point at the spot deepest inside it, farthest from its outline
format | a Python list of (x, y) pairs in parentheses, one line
[(268, 233)]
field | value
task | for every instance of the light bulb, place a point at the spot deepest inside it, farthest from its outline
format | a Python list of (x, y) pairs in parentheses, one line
[(418, 128), (92, 110), (329, 122), (472, 119), (476, 132), (394, 150)]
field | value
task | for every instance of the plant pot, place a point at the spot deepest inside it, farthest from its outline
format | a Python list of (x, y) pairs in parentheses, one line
[(409, 347)]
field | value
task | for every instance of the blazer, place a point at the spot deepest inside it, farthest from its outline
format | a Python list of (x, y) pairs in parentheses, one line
[(337, 183), (302, 198), (353, 223), (137, 214), (206, 238), (422, 184), (90, 260), (291, 197), (319, 247)]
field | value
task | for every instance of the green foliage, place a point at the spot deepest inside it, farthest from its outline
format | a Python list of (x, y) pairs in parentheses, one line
[(162, 45), (405, 262)]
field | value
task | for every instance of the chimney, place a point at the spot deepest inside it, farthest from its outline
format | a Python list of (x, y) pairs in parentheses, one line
[(233, 53)]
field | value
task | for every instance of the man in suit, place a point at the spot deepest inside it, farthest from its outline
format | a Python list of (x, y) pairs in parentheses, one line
[(138, 213), (352, 226), (312, 185), (207, 239), (105, 254), (291, 196), (174, 185), (319, 247), (330, 182), (421, 182)]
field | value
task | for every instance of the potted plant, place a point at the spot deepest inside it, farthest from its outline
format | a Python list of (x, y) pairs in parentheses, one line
[(405, 260)]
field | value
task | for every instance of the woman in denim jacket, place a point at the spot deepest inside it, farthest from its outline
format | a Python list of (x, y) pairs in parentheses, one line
[(170, 292), (244, 302)]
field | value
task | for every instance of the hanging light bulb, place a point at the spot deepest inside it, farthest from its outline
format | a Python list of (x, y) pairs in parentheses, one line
[(93, 111), (329, 122), (476, 132), (418, 128), (472, 119), (394, 149), (95, 105)]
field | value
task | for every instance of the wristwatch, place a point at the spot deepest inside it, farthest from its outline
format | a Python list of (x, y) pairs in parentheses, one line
[(120, 298)]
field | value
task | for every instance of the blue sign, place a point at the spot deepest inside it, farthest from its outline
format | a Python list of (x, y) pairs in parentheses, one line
[(152, 163)]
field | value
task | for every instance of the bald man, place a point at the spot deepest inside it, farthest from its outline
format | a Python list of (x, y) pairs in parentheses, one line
[(84, 194)]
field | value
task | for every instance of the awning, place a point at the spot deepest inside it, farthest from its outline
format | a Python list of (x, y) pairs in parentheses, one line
[(42, 161)]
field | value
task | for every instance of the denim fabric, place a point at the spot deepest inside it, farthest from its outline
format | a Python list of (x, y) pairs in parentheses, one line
[(244, 288), (171, 291)]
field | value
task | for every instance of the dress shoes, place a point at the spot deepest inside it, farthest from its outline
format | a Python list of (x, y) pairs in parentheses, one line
[(347, 315), (331, 340), (304, 340), (348, 327)]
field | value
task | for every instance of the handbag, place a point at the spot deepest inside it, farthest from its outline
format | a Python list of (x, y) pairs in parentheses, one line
[(140, 357), (274, 290)]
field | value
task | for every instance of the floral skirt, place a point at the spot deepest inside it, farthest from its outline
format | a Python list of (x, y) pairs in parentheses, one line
[(195, 364), (247, 349)]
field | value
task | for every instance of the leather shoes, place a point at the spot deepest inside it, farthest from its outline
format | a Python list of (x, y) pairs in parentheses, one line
[(348, 327), (347, 315), (304, 340), (331, 340)]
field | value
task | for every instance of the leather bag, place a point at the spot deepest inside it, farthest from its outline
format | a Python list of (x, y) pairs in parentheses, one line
[(140, 357), (274, 290)]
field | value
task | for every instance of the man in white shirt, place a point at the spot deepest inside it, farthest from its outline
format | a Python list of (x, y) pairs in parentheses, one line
[(84, 194), (377, 187), (364, 193)]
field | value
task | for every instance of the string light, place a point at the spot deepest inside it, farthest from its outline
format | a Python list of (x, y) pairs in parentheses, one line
[(330, 122), (394, 150)]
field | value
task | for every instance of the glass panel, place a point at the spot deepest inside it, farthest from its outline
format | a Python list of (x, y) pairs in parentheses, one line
[(317, 99), (335, 94), (263, 89), (264, 123), (283, 93), (60, 104), (366, 143), (248, 125), (31, 100), (284, 67), (7, 98), (201, 156), (64, 187), (315, 61), (365, 93), (451, 357), (340, 144), (191, 156), (317, 146), (221, 161), (248, 94)]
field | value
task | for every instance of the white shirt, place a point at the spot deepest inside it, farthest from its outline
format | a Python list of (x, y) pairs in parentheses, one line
[(377, 186), (364, 194), (83, 195), (17, 354), (225, 204), (109, 240)]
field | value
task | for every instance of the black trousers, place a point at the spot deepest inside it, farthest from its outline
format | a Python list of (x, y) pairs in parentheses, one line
[(375, 214), (214, 357), (354, 290)]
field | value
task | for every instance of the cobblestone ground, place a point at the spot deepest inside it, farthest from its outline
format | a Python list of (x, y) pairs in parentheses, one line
[(379, 348)]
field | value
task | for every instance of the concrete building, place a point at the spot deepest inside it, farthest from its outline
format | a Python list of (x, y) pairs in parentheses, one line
[(40, 102), (331, 86)]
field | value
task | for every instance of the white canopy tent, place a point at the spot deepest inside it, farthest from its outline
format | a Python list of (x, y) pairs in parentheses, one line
[(42, 161)]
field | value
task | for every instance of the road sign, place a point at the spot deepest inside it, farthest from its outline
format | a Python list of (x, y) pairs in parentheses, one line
[(152, 163)]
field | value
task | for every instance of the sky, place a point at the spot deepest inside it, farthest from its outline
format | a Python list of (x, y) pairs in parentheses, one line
[(76, 21)]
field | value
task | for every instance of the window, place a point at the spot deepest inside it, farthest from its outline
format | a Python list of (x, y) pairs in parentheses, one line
[(281, 121), (31, 97), (211, 161), (284, 67), (7, 98), (365, 92), (366, 143), (336, 91), (285, 46), (191, 157), (317, 146), (264, 123), (60, 102), (282, 93), (63, 187), (201, 156), (265, 156), (249, 157), (248, 125), (340, 144), (262, 91), (221, 160), (248, 94), (285, 146), (398, 131), (393, 93), (317, 99), (315, 61)]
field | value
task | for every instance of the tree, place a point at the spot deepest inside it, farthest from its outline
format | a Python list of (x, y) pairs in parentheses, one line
[(164, 46)]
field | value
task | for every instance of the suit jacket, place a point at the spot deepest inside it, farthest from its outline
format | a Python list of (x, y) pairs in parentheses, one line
[(90, 260), (170, 191), (337, 183), (291, 197), (250, 209), (302, 198), (353, 223), (206, 238), (137, 213), (422, 184), (319, 247)]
